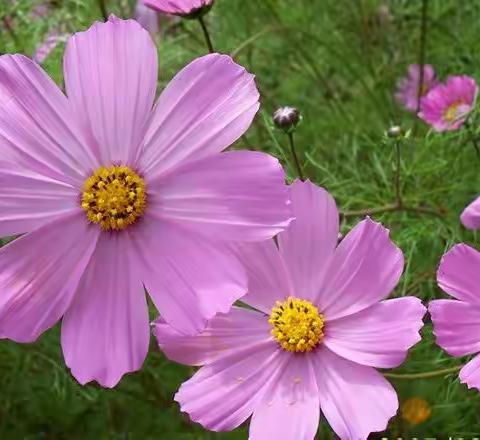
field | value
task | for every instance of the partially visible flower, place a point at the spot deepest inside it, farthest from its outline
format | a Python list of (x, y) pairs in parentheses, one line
[(48, 45), (447, 106), (319, 325), (114, 195), (456, 322), (40, 9), (147, 17), (286, 118), (471, 215), (183, 8), (416, 411), (407, 88)]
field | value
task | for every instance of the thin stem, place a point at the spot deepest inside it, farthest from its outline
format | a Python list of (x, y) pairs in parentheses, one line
[(103, 9), (11, 32), (398, 189), (422, 50), (426, 375), (295, 157), (206, 34), (476, 146)]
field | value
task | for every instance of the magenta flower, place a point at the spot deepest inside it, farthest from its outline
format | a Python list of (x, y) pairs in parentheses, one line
[(115, 196), (447, 106), (147, 17), (407, 88), (180, 7), (318, 329), (455, 322), (471, 215)]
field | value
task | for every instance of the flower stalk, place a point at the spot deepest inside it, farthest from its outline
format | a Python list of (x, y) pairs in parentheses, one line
[(206, 34)]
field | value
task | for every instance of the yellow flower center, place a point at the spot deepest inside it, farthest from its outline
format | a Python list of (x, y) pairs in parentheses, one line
[(451, 113), (114, 197), (416, 410), (297, 325)]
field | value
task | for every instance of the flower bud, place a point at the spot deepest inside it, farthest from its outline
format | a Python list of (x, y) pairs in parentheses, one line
[(395, 132), (286, 118)]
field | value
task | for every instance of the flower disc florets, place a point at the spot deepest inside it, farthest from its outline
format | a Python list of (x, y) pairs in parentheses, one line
[(114, 197), (297, 325)]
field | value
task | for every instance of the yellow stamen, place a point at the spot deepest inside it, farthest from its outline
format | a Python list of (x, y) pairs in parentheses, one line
[(297, 325), (114, 197), (416, 410), (451, 113)]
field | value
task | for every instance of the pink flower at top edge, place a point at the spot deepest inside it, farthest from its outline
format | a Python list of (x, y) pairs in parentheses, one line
[(407, 88), (342, 328), (147, 17), (455, 321), (113, 194), (178, 7), (471, 215), (447, 106)]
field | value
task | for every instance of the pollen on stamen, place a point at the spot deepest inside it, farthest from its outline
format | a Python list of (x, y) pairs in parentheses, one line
[(114, 197), (297, 325)]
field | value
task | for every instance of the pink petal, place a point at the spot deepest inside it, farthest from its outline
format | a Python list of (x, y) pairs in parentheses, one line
[(37, 127), (147, 17), (28, 200), (470, 373), (471, 215), (378, 336), (459, 273), (177, 7), (189, 279), (39, 274), (238, 195), (226, 333), (365, 268), (105, 331), (310, 241), (268, 279), (356, 400), (222, 395), (203, 110), (110, 78), (456, 325), (290, 409)]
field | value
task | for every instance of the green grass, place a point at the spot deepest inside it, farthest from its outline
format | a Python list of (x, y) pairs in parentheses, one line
[(338, 63)]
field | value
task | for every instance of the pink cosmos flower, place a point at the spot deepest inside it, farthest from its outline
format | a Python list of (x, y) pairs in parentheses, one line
[(114, 196), (147, 17), (179, 7), (471, 215), (447, 106), (455, 322), (407, 88), (317, 330)]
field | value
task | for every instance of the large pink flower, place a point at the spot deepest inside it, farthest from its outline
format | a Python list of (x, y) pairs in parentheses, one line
[(115, 195), (447, 106), (317, 330), (179, 7), (456, 323), (407, 88), (471, 215)]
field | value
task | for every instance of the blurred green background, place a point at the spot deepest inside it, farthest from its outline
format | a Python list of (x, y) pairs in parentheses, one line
[(338, 61)]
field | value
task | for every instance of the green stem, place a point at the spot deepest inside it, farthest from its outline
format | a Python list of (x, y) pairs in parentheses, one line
[(423, 45), (398, 189), (103, 9), (206, 34), (426, 375), (295, 157)]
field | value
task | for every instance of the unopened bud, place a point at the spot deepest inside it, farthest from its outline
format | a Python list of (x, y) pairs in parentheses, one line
[(395, 132), (286, 118)]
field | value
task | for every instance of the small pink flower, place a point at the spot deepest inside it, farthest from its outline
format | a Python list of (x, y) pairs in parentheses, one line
[(456, 322), (407, 89), (320, 325), (48, 45), (114, 195), (471, 215), (179, 7), (447, 106)]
